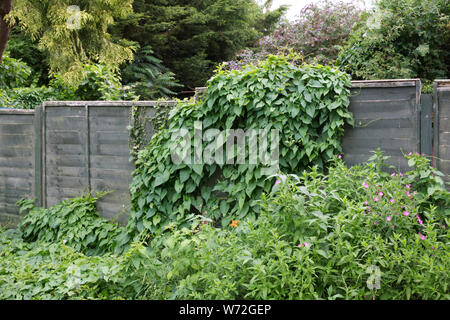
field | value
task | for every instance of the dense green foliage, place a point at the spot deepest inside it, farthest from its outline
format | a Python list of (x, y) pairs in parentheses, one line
[(318, 237), (46, 271), (148, 77), (307, 104), (192, 37), (401, 39), (73, 36), (75, 222), (14, 73), (99, 83), (21, 47), (314, 230)]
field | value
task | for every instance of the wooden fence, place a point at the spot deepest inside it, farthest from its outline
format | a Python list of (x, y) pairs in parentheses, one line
[(442, 126), (16, 161), (387, 115), (63, 149)]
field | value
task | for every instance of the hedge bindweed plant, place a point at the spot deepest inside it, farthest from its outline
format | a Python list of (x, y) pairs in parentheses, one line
[(308, 105), (75, 222)]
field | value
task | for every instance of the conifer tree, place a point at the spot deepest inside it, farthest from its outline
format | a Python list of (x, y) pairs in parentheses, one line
[(73, 33)]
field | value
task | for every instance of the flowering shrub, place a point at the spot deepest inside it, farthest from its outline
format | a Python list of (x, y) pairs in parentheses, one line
[(318, 34)]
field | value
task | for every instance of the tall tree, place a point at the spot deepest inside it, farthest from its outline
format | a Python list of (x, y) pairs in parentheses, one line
[(192, 37), (401, 39), (5, 8)]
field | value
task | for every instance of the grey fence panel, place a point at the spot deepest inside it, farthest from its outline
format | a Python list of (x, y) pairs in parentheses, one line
[(65, 138), (442, 127), (87, 147), (16, 161), (110, 165), (387, 116)]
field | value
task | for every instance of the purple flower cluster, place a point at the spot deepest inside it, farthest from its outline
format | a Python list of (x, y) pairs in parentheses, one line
[(319, 28)]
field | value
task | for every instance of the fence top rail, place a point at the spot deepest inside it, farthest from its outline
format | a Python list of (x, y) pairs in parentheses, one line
[(107, 103), (385, 83), (442, 83), (367, 84), (16, 111)]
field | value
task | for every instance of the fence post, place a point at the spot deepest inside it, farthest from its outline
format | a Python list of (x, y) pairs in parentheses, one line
[(426, 125), (88, 148), (38, 156)]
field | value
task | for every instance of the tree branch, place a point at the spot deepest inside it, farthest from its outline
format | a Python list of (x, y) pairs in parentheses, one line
[(5, 8)]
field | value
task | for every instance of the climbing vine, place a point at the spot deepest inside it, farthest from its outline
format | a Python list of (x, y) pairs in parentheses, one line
[(139, 135), (307, 105)]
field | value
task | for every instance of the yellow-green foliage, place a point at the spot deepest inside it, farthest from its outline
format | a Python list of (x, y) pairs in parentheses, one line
[(69, 48)]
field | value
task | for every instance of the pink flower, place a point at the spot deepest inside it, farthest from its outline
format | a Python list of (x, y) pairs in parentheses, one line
[(277, 182), (401, 174), (392, 201), (376, 199), (410, 154), (408, 186), (423, 154), (380, 194), (365, 185), (422, 237), (393, 175), (375, 223), (388, 218), (366, 202), (306, 244), (420, 220), (300, 245), (339, 157), (406, 213), (408, 193)]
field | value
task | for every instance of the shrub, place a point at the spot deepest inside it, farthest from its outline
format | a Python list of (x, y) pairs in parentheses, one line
[(318, 34), (45, 271), (29, 97), (13, 73), (99, 83), (401, 39)]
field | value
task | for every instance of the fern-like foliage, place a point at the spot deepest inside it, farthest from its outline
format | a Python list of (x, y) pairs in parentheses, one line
[(149, 77)]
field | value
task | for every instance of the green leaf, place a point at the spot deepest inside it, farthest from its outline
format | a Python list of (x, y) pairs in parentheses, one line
[(162, 178)]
